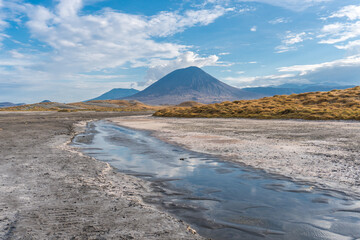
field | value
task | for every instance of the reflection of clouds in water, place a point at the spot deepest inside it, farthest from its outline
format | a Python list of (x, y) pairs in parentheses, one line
[(321, 223), (253, 191), (165, 162), (183, 169)]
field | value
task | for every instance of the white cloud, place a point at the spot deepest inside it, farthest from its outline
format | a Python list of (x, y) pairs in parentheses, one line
[(169, 23), (343, 34), (352, 61), (345, 71), (16, 54), (111, 39), (259, 80), (279, 20), (9, 11), (15, 63), (339, 32), (2, 37), (246, 9), (294, 38), (290, 40), (69, 8), (350, 45), (352, 12), (253, 29), (3, 24), (294, 5)]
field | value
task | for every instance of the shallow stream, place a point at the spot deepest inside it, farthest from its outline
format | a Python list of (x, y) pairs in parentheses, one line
[(223, 200)]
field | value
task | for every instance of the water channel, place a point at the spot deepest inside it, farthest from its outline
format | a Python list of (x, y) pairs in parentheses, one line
[(223, 200)]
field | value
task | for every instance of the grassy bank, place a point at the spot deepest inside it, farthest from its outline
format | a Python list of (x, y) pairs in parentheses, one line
[(336, 105)]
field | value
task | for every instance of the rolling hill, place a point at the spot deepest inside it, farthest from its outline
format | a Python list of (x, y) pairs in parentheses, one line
[(335, 104), (190, 84)]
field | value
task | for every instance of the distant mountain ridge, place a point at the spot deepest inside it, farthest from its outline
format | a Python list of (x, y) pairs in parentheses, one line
[(194, 84), (116, 93), (9, 104), (287, 89), (190, 84)]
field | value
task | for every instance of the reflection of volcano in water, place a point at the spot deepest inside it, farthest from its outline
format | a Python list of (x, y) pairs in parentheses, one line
[(223, 200)]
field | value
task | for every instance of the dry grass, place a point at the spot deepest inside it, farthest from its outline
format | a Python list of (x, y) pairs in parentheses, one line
[(336, 104), (99, 106), (115, 105), (190, 104)]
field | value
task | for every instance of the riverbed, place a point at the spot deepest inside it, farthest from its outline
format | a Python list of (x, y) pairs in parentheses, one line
[(325, 153), (220, 199)]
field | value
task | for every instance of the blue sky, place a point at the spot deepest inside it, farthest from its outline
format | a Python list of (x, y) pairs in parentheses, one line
[(72, 50)]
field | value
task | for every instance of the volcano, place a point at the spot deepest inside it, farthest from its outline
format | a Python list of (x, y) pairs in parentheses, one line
[(190, 84)]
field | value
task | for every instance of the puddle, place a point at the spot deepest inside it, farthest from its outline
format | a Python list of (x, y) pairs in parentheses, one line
[(223, 200)]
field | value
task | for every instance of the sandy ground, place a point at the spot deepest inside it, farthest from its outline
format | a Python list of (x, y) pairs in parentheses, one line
[(324, 153), (49, 192)]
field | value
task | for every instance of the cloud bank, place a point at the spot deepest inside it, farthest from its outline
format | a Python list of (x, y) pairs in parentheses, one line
[(68, 43), (110, 39), (345, 71), (294, 5)]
